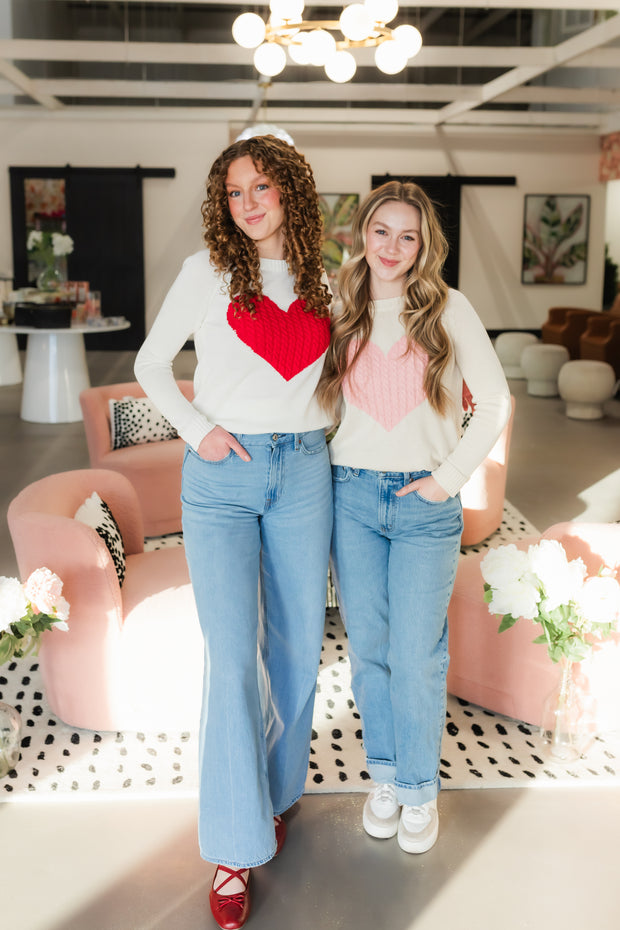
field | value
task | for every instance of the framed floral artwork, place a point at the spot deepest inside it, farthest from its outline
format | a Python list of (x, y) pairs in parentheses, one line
[(555, 239), (337, 211)]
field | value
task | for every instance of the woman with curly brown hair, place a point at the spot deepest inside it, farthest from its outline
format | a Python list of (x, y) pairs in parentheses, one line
[(256, 493), (404, 346)]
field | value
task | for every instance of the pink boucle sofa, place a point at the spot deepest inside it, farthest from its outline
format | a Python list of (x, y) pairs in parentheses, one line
[(508, 673), (132, 658), (154, 468)]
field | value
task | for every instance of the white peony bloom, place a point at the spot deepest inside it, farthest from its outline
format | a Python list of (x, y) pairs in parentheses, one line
[(61, 244), (562, 580), (518, 597), (13, 602), (504, 565), (599, 600)]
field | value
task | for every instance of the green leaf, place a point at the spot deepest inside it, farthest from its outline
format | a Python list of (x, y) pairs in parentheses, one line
[(507, 621), (576, 253), (345, 208), (332, 254)]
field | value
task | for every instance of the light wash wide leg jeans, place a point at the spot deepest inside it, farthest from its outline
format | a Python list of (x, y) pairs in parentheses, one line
[(394, 562), (267, 520)]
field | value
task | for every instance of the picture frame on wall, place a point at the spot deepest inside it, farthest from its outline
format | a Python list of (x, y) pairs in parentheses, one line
[(555, 239), (337, 211)]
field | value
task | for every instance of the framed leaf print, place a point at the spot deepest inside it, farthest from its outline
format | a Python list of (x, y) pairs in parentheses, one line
[(555, 239)]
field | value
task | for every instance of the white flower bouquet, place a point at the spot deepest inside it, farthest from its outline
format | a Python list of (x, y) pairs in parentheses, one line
[(46, 246), (542, 585), (27, 610)]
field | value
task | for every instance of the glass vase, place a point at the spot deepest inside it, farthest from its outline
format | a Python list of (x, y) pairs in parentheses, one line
[(51, 278), (10, 730), (566, 725)]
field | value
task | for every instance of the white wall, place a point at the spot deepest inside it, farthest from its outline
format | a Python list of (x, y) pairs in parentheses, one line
[(492, 217)]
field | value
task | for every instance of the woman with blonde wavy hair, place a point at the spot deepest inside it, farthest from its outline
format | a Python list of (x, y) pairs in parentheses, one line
[(407, 355), (256, 493)]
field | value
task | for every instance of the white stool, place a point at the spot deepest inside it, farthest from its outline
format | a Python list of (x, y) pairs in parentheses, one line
[(585, 386), (10, 365), (541, 365), (509, 347)]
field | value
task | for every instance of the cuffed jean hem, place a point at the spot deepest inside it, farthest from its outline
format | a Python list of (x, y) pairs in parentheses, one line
[(239, 865), (383, 772)]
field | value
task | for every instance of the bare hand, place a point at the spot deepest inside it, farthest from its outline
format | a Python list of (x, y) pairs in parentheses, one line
[(217, 444), (426, 487)]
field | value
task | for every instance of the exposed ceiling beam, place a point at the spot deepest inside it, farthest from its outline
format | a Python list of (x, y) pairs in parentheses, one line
[(601, 34), (229, 53), (25, 85), (317, 92), (416, 4)]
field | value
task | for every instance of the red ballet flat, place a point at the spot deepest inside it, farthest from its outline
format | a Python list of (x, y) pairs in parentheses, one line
[(230, 910), (280, 832)]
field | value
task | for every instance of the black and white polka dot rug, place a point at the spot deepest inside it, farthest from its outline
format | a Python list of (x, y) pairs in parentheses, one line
[(480, 749)]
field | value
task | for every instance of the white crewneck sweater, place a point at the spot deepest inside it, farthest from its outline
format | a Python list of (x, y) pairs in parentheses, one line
[(253, 374), (386, 421)]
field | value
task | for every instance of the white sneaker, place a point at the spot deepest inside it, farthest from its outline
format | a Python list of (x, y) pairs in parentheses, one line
[(418, 827), (381, 812)]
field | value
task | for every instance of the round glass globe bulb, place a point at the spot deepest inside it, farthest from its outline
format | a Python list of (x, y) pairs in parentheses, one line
[(291, 10), (298, 51), (248, 30), (355, 22), (320, 45), (381, 11), (341, 67), (409, 38), (390, 57), (269, 59)]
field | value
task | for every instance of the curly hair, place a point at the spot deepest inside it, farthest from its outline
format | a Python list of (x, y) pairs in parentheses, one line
[(233, 252), (425, 295)]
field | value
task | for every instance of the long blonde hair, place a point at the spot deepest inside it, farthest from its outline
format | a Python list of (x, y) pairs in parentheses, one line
[(425, 295), (233, 252)]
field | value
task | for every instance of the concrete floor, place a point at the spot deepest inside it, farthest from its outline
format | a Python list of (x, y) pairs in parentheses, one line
[(506, 858)]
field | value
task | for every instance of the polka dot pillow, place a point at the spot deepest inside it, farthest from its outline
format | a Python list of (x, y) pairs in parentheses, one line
[(134, 420), (96, 513)]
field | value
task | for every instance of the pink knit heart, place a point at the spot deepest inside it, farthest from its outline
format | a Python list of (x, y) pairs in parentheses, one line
[(387, 387)]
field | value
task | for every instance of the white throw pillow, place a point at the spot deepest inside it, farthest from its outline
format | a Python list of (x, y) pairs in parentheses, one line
[(95, 513), (134, 420)]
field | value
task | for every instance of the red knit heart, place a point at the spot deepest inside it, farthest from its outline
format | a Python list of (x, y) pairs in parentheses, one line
[(289, 341)]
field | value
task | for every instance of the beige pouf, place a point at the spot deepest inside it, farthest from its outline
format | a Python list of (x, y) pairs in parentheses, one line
[(509, 347), (585, 386), (541, 365)]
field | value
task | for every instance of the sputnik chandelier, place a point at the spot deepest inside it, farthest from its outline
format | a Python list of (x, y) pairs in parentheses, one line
[(362, 25)]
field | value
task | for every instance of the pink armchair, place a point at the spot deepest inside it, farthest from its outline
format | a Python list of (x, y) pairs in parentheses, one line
[(483, 495), (154, 468), (132, 658), (508, 673)]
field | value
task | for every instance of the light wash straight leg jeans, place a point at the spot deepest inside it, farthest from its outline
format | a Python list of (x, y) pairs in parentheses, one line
[(267, 520), (394, 561)]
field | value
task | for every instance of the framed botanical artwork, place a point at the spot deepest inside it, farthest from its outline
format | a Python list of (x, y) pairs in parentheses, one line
[(555, 239), (337, 211)]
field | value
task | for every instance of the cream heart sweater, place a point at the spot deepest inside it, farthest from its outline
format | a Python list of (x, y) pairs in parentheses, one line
[(386, 421), (258, 378)]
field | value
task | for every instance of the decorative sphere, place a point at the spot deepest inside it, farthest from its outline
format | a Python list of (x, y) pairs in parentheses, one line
[(381, 11), (390, 57), (291, 10), (269, 59), (341, 67), (298, 51), (248, 30), (409, 38), (320, 46), (355, 22)]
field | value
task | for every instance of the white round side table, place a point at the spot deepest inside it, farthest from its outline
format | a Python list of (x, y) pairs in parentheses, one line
[(585, 385), (55, 372)]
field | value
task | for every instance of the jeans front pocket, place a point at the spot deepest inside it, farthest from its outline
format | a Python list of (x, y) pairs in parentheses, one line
[(312, 442), (341, 473)]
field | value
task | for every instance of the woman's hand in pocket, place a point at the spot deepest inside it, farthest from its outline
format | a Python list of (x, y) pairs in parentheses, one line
[(427, 488), (217, 444)]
